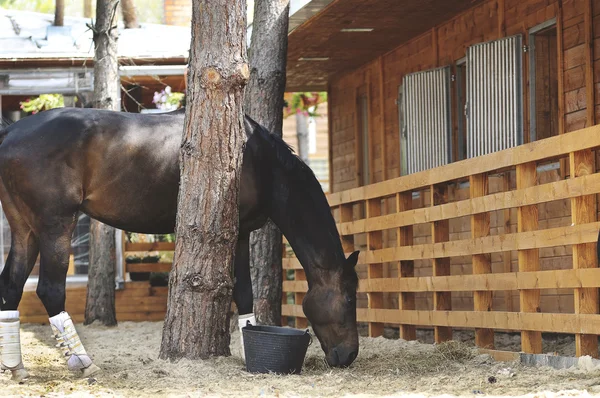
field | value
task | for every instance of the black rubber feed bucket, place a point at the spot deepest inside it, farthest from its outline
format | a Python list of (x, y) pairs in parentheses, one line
[(274, 349)]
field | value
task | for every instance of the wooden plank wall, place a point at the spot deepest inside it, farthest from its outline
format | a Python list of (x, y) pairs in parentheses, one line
[(137, 302), (578, 26), (581, 279)]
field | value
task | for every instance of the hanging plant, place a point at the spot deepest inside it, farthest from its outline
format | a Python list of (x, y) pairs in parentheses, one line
[(167, 100), (303, 102), (43, 103)]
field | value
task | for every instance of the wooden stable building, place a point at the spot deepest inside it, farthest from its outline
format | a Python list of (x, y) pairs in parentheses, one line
[(463, 162)]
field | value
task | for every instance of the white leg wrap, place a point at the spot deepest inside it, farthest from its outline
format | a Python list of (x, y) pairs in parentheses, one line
[(242, 321), (10, 341), (69, 342)]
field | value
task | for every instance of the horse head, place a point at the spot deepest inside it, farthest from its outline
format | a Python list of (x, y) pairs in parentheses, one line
[(330, 306)]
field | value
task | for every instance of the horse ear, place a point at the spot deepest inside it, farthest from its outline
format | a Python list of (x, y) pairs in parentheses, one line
[(250, 126), (352, 259)]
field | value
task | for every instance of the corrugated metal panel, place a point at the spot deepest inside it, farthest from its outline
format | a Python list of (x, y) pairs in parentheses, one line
[(426, 124), (494, 96)]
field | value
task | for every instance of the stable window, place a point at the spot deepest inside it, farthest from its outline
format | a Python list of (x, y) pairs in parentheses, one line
[(543, 81), (425, 120), (494, 96)]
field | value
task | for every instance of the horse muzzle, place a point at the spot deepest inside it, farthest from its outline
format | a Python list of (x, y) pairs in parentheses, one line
[(342, 356)]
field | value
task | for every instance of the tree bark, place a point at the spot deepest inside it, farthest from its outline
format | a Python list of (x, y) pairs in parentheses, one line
[(100, 304), (264, 103), (129, 14), (59, 12), (302, 135), (201, 281)]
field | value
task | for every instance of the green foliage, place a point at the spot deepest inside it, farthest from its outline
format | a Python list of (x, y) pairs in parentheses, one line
[(43, 103), (148, 11), (44, 6)]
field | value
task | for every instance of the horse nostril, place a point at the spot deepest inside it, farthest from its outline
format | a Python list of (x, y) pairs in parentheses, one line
[(352, 357)]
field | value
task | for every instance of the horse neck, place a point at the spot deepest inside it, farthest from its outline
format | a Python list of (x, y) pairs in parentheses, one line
[(300, 209)]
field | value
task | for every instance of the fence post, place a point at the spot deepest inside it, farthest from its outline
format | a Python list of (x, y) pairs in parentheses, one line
[(406, 301), (374, 242), (583, 210), (480, 227), (440, 232), (529, 260)]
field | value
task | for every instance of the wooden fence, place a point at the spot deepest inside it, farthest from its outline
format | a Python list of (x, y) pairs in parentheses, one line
[(384, 215)]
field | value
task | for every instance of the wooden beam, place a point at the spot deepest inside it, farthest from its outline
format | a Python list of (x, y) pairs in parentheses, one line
[(527, 220), (300, 322), (546, 149), (374, 242), (559, 190), (543, 322), (370, 130), (480, 227), (357, 143), (560, 236), (589, 63), (583, 210), (506, 256), (561, 80), (148, 267), (511, 281), (440, 232), (501, 18), (382, 120), (330, 135), (149, 246), (406, 268), (435, 47)]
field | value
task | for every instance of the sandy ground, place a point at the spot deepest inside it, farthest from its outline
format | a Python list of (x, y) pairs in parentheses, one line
[(128, 356)]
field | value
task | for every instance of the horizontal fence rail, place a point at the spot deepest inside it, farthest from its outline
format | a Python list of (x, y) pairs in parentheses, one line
[(510, 247)]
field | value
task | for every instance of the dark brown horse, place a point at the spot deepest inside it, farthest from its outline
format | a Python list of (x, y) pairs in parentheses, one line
[(123, 170)]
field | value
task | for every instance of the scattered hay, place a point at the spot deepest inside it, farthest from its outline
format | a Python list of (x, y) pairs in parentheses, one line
[(128, 356)]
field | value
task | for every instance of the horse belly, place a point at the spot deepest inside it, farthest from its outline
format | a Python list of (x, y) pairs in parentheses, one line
[(134, 208)]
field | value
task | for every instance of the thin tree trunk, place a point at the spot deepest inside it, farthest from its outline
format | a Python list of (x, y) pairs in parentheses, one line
[(87, 8), (264, 103), (100, 304), (129, 14), (302, 135), (201, 281), (59, 13)]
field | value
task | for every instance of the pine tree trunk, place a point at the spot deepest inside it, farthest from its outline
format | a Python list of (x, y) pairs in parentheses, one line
[(129, 14), (59, 12), (201, 281), (100, 304), (264, 103)]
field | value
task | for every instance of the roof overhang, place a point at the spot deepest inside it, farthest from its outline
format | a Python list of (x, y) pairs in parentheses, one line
[(341, 35)]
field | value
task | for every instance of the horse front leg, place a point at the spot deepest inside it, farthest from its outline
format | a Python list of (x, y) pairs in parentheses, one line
[(242, 288)]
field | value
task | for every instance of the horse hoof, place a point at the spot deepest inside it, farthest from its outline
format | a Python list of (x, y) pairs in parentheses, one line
[(19, 375), (90, 370)]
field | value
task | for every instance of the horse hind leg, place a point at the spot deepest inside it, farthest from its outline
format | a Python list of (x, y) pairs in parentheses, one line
[(20, 262), (55, 243)]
